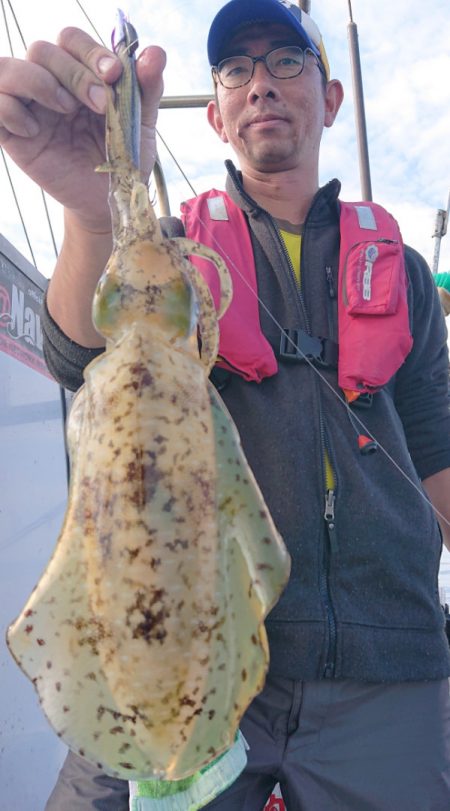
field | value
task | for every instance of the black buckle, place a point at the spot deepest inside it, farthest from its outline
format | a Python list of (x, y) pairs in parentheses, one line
[(363, 400), (297, 345)]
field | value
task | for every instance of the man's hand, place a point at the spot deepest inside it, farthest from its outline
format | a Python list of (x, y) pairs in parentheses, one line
[(437, 488), (444, 296), (54, 127)]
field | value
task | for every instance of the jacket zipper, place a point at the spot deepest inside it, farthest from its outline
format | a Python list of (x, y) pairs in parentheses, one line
[(330, 499), (297, 284), (330, 530), (330, 659)]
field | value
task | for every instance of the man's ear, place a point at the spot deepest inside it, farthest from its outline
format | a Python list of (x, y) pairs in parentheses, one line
[(334, 94), (215, 120)]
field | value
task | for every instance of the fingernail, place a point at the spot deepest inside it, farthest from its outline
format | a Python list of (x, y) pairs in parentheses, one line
[(67, 102), (97, 95), (106, 63), (32, 127)]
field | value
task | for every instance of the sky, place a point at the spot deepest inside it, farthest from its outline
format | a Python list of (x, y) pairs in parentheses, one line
[(405, 60)]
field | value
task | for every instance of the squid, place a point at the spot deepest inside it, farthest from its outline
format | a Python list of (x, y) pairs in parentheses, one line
[(144, 637)]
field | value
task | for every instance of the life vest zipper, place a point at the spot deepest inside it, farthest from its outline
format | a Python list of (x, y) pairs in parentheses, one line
[(331, 303), (330, 282)]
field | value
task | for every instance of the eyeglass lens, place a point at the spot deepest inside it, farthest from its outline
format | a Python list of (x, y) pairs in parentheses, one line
[(282, 63)]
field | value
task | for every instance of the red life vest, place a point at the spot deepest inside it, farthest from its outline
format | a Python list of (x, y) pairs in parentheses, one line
[(373, 317)]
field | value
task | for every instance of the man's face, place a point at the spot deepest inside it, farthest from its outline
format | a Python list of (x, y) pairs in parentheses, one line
[(272, 124)]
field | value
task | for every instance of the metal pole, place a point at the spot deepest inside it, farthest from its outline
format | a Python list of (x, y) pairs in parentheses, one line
[(440, 230), (172, 103), (161, 188), (177, 102), (360, 116)]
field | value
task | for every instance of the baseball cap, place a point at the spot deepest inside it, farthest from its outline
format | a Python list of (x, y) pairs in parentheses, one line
[(239, 12)]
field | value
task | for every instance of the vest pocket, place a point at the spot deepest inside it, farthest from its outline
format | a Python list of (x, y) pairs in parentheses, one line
[(371, 277)]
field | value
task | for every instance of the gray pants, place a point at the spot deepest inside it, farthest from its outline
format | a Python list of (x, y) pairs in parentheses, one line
[(332, 746)]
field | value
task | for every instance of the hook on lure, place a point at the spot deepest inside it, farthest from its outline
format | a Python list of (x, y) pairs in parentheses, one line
[(124, 36)]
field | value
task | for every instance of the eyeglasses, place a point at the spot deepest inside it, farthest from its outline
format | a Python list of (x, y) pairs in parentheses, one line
[(282, 63)]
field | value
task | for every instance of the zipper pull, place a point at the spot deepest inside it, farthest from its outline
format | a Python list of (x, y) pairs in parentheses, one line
[(329, 508), (331, 287)]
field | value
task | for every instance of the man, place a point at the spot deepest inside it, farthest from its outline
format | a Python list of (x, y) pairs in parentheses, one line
[(355, 714)]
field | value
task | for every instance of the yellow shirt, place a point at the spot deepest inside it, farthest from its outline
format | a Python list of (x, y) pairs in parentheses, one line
[(293, 243)]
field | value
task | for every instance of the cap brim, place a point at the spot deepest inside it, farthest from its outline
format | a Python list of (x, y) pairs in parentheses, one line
[(239, 12)]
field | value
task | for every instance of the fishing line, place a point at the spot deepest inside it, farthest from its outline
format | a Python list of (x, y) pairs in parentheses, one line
[(62, 393), (266, 309), (343, 402), (336, 394), (163, 141), (5, 162), (17, 24), (19, 211), (82, 9), (178, 165), (5, 20), (44, 200)]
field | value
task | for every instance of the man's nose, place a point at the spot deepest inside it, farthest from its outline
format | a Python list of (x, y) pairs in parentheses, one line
[(262, 84)]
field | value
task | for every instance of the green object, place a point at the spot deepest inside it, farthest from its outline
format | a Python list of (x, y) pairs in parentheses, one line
[(442, 280), (193, 792)]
